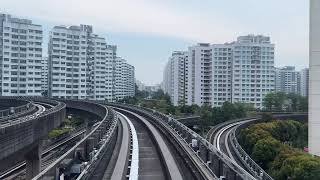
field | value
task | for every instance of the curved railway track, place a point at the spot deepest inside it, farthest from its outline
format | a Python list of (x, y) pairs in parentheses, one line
[(220, 138), (154, 156), (48, 156), (223, 137)]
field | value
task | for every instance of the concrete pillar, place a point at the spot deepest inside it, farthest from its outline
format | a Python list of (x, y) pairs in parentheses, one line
[(80, 153), (214, 165), (314, 87), (203, 152), (90, 144), (33, 161)]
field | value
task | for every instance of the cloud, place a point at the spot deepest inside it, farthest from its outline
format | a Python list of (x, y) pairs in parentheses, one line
[(212, 21), (138, 16)]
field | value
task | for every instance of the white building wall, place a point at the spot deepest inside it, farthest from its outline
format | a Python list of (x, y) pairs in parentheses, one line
[(175, 77), (314, 67), (287, 80), (124, 79), (199, 78), (20, 57), (83, 66), (44, 75), (241, 71), (68, 57), (221, 73), (253, 69), (304, 82), (111, 54)]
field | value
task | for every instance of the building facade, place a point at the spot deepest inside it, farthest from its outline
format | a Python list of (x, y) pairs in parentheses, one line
[(44, 76), (70, 51), (175, 77), (240, 71), (83, 66), (199, 75), (287, 80), (20, 57), (304, 82), (124, 82)]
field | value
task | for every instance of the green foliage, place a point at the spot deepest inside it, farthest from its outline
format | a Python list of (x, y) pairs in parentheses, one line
[(279, 101), (66, 126), (291, 164), (266, 117), (73, 122), (273, 146), (265, 151), (58, 132)]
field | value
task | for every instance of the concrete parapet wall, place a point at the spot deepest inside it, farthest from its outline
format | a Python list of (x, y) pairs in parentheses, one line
[(18, 138)]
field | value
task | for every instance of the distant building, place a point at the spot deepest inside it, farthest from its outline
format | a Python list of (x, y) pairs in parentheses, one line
[(141, 86), (124, 79), (210, 74), (175, 77), (44, 75), (304, 82), (153, 88), (287, 80), (20, 57)]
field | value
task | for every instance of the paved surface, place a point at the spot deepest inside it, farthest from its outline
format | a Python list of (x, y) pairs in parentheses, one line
[(150, 166), (120, 168), (156, 161)]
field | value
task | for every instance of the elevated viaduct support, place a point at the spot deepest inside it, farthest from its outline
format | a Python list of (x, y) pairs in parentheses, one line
[(20, 137)]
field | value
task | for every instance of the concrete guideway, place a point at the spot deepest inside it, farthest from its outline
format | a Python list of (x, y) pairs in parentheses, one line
[(224, 137), (20, 137), (15, 108), (86, 155), (129, 143), (40, 109), (20, 168), (148, 167), (202, 159)]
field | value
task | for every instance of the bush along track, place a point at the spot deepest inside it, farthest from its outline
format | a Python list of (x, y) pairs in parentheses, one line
[(277, 146)]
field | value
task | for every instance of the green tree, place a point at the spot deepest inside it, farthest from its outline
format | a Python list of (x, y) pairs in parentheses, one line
[(266, 117), (265, 151)]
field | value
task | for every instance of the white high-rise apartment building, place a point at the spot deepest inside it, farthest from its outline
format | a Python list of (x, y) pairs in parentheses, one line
[(124, 82), (287, 80), (44, 75), (241, 71), (20, 57), (252, 69), (83, 66), (129, 77), (111, 54), (97, 65), (304, 82), (175, 77), (199, 75), (70, 50), (222, 56)]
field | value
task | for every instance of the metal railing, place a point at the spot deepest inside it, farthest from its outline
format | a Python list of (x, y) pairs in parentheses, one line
[(58, 107), (179, 128), (246, 160), (13, 112), (250, 164), (109, 135)]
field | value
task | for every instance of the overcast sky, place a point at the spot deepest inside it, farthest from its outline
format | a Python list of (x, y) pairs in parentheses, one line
[(147, 31)]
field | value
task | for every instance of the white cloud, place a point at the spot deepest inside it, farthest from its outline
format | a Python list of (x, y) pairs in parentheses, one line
[(138, 16), (211, 21)]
